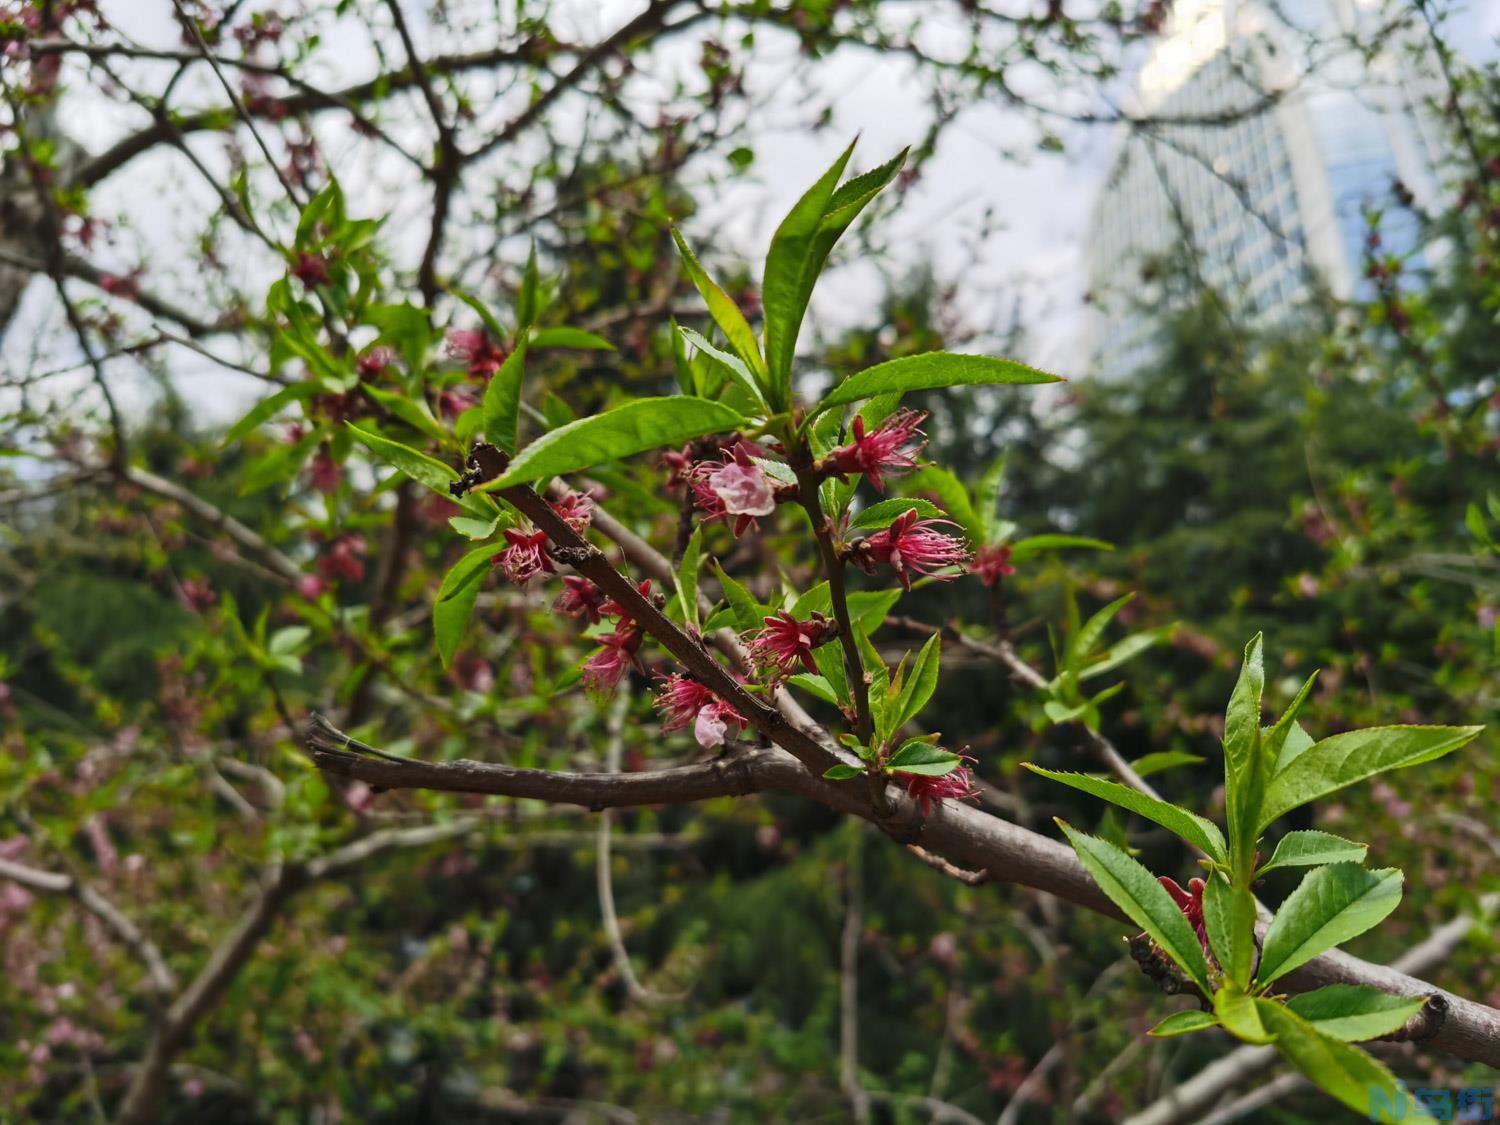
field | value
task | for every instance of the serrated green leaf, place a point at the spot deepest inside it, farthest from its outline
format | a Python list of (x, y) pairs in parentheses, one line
[(687, 575), (798, 250), (732, 364), (1355, 1012), (1242, 718), (1331, 905), (426, 471), (1145, 902), (635, 427), (1239, 1016), (1346, 1072), (1333, 763), (1202, 834), (725, 313), (929, 371), (1311, 849)]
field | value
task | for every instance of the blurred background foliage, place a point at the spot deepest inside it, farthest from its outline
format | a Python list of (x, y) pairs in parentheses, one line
[(1315, 482)]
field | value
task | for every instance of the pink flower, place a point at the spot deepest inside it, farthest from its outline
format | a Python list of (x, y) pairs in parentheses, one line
[(575, 509), (1190, 902), (617, 654), (956, 785), (709, 728), (325, 472), (910, 546), (685, 702), (993, 563), (311, 269), (374, 361), (612, 608), (525, 558), (736, 487), (891, 448), (580, 598), (197, 594), (474, 347), (344, 559), (311, 587), (453, 401), (679, 465), (786, 643)]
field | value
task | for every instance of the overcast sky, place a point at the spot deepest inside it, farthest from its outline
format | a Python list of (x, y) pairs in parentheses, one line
[(988, 161)]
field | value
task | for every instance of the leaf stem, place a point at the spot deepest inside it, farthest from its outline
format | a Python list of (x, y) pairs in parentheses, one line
[(800, 459)]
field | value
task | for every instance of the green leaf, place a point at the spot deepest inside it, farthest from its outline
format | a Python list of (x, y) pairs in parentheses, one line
[(1218, 919), (842, 772), (426, 471), (410, 409), (1346, 1072), (578, 338), (634, 427), (268, 408), (798, 250), (920, 684), (816, 686), (497, 333), (987, 498), (1331, 905), (725, 313), (1242, 719), (1296, 742), (1330, 765), (1202, 834), (830, 661), (687, 575), (1312, 849), (456, 598), (288, 640), (886, 512), (1181, 1023), (1355, 1012), (1276, 737), (954, 497), (1088, 637), (730, 363), (1035, 544), (931, 370), (502, 401), (1238, 1014), (921, 757), (749, 614), (531, 283), (1145, 902), (473, 529), (1148, 764)]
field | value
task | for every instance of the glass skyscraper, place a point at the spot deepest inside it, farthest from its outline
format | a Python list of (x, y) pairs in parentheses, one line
[(1269, 137)]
